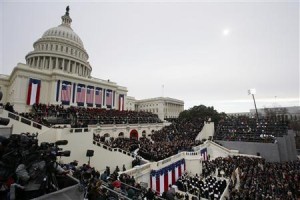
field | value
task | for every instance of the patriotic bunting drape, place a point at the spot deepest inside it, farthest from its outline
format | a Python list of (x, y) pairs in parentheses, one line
[(66, 92), (203, 153), (80, 95), (98, 97), (90, 95), (109, 98), (33, 93), (161, 179)]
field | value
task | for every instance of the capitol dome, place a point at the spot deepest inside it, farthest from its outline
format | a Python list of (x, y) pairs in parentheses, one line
[(60, 48), (63, 32)]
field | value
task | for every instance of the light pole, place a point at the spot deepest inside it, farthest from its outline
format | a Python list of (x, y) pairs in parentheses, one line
[(252, 92)]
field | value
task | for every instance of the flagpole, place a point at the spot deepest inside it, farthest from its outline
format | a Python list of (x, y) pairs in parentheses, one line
[(252, 92), (163, 87)]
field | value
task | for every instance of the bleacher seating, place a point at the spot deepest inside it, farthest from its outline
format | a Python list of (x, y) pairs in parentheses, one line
[(82, 117), (248, 129)]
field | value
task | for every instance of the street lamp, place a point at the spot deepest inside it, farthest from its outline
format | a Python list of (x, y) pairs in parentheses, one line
[(252, 92)]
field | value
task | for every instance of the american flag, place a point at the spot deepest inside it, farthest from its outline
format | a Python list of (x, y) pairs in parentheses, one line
[(98, 96), (80, 96), (90, 95), (66, 92), (108, 97), (203, 154)]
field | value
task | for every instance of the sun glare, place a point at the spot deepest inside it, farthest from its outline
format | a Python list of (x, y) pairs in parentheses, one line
[(226, 31)]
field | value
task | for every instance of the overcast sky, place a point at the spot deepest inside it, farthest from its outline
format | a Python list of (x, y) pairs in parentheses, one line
[(201, 52)]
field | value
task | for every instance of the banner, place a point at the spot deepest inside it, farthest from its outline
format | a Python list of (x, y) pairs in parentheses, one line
[(90, 95), (98, 97), (161, 179), (33, 94), (203, 154), (80, 94), (66, 92), (109, 98)]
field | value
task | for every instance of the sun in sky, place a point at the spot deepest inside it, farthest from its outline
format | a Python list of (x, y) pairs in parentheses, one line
[(226, 31)]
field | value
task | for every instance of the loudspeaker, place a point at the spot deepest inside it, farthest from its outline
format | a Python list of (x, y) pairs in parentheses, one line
[(90, 153), (4, 121), (61, 142)]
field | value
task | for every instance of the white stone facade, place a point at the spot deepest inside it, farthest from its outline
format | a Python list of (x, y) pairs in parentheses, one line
[(164, 107), (58, 57)]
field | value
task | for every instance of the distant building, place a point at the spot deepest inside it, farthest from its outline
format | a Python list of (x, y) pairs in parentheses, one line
[(248, 114), (164, 107), (291, 113)]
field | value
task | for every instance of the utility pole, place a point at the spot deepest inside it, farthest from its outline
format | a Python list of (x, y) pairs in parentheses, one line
[(252, 92)]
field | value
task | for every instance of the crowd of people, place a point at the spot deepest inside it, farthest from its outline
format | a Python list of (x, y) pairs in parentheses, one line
[(26, 167), (115, 185), (205, 187), (172, 139), (249, 178), (82, 117), (249, 129), (254, 178), (125, 144)]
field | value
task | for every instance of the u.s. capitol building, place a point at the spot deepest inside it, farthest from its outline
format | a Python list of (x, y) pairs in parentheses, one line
[(58, 72)]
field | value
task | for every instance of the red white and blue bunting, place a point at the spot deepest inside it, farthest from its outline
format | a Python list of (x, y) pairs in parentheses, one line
[(161, 179), (203, 153), (33, 93)]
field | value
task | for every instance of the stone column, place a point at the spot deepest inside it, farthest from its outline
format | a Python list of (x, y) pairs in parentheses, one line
[(38, 62), (69, 66), (75, 99), (50, 63), (104, 98), (59, 93), (44, 58), (56, 63), (94, 103)]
